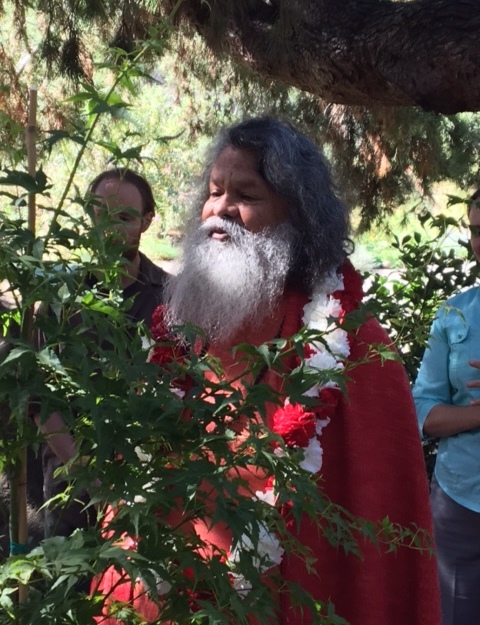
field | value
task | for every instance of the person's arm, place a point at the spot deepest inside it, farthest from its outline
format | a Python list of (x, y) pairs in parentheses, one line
[(438, 417), (58, 437), (446, 420)]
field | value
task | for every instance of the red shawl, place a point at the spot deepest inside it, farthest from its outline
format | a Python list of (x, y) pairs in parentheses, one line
[(373, 466)]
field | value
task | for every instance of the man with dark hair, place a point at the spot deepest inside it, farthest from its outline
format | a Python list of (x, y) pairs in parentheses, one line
[(128, 199), (124, 200), (266, 253)]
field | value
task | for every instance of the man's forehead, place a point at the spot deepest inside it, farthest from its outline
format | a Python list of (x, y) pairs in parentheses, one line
[(249, 177), (117, 194), (238, 165)]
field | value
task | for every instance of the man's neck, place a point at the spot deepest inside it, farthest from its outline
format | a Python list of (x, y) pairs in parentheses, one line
[(130, 271)]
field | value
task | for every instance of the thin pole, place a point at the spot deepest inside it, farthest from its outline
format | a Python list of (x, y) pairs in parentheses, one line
[(32, 152), (19, 537)]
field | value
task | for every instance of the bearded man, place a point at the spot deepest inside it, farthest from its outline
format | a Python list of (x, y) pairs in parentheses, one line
[(266, 253)]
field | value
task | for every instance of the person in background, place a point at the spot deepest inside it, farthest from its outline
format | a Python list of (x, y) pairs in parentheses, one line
[(127, 198), (266, 252), (447, 399)]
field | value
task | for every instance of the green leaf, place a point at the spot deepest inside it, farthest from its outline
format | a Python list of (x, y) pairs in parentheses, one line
[(15, 355), (49, 359)]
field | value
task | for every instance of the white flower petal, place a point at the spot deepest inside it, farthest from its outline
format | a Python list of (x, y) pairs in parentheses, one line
[(178, 392), (268, 549), (147, 342), (313, 391), (338, 343), (323, 360), (268, 496), (313, 456), (163, 587), (321, 423), (241, 585)]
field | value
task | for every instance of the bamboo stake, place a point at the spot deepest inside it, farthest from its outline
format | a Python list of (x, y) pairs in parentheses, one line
[(19, 535), (31, 152)]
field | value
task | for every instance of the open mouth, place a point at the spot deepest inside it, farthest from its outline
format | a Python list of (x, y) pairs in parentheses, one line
[(219, 234)]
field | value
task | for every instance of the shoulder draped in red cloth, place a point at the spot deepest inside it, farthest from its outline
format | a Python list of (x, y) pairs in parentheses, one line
[(373, 466)]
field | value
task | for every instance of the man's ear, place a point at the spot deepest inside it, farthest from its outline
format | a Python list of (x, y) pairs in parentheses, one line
[(147, 220)]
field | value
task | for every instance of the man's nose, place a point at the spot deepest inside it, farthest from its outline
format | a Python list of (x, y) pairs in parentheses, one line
[(225, 207)]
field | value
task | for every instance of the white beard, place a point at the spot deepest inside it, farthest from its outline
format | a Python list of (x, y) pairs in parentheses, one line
[(226, 285)]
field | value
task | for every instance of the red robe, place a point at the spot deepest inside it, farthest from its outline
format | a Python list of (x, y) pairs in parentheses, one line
[(372, 466)]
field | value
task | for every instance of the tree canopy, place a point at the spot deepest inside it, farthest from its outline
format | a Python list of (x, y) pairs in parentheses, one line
[(369, 80), (354, 52)]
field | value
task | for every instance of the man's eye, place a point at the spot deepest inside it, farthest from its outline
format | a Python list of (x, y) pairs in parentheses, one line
[(474, 230), (215, 193)]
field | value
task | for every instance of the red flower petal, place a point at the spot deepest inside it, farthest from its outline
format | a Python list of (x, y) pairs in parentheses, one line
[(162, 355), (158, 327), (329, 398), (294, 424), (308, 351)]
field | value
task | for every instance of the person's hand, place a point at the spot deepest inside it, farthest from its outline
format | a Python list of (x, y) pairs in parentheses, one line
[(474, 383)]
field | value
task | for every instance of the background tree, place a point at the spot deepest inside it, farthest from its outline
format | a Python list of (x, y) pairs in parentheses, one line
[(338, 68)]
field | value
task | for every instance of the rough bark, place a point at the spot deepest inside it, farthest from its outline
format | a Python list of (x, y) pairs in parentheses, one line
[(355, 52)]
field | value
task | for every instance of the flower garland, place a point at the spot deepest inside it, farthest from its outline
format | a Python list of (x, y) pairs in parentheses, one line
[(340, 293), (324, 313), (301, 429)]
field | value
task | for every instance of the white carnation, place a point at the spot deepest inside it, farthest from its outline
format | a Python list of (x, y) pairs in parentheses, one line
[(268, 549), (162, 586), (337, 341), (323, 360), (313, 311), (268, 496), (333, 282), (241, 585), (313, 453), (318, 313)]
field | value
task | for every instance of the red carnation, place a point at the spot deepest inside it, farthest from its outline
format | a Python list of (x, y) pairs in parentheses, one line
[(329, 398), (158, 327), (294, 424), (352, 293), (162, 355)]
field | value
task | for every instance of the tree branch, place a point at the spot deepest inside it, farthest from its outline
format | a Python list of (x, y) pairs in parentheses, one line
[(355, 52)]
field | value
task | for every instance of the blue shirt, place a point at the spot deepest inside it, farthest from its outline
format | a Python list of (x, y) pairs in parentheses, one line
[(442, 378)]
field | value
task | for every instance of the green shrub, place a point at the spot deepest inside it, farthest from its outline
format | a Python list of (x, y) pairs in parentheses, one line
[(406, 301)]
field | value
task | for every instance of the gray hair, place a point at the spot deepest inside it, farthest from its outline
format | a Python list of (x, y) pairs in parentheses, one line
[(297, 170)]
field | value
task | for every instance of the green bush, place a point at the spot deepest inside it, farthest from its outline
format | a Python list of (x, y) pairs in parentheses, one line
[(406, 301)]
